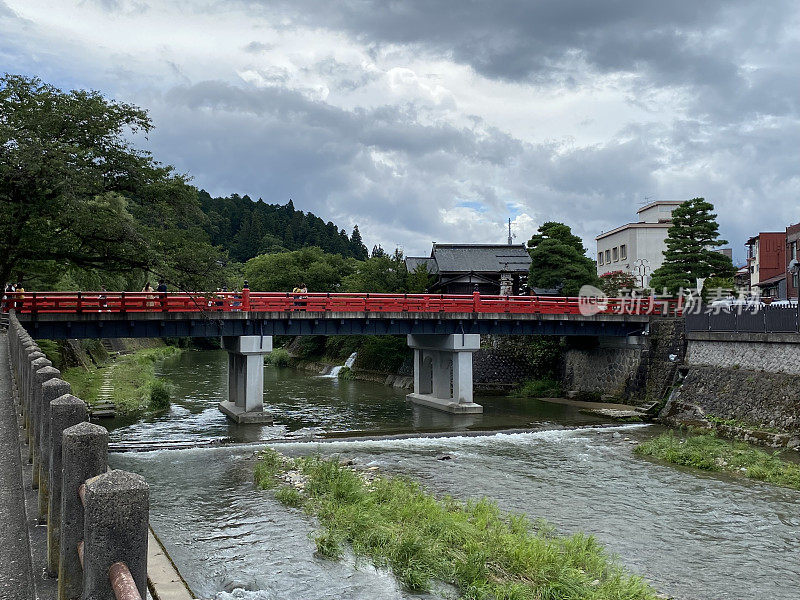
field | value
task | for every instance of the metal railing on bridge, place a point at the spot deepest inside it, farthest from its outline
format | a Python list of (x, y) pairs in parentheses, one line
[(766, 319), (136, 302)]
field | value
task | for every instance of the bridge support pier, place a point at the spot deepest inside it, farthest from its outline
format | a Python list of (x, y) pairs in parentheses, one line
[(245, 402), (443, 372)]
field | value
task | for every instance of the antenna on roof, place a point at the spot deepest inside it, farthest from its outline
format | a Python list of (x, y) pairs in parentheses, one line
[(511, 236), (646, 200)]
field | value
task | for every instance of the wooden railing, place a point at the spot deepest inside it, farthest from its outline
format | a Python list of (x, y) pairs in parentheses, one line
[(140, 302)]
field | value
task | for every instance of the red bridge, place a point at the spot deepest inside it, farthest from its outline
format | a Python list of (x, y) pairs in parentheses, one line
[(443, 330), (200, 302)]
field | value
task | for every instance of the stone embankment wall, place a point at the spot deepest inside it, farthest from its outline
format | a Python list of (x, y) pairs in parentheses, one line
[(498, 370), (610, 371), (632, 371), (744, 351), (742, 385)]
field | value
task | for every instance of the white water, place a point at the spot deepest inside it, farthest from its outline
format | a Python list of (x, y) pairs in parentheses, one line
[(334, 374)]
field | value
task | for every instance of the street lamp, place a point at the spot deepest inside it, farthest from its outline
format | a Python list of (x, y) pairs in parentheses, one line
[(794, 269)]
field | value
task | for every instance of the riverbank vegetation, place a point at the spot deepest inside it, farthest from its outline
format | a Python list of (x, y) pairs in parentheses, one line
[(131, 381), (381, 353), (422, 539), (711, 453), (538, 388)]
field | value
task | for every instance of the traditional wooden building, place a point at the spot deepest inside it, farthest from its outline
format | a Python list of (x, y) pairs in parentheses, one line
[(493, 269)]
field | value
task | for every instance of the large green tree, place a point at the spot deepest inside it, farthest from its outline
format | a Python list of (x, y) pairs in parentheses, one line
[(558, 258), (690, 254), (76, 193), (282, 272), (379, 274)]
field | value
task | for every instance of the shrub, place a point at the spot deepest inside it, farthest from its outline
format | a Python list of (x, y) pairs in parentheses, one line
[(384, 353), (278, 358), (346, 373), (159, 395), (539, 388)]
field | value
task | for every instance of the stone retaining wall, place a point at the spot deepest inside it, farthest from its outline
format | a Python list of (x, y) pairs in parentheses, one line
[(754, 398), (603, 370), (753, 356)]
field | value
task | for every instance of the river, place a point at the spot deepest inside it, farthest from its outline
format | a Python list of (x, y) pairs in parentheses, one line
[(693, 536)]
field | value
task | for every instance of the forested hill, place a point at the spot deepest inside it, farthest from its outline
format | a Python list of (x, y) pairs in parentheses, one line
[(246, 228)]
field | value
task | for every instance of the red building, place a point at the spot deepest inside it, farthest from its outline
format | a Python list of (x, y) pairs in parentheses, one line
[(766, 259)]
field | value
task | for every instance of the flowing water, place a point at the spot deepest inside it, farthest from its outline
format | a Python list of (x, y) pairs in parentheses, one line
[(693, 536)]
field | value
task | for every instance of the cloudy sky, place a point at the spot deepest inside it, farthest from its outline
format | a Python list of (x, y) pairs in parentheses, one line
[(426, 120)]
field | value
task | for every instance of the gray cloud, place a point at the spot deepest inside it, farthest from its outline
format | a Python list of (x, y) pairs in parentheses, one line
[(711, 87)]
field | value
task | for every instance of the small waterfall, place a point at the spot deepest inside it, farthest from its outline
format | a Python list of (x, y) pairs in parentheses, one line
[(334, 374)]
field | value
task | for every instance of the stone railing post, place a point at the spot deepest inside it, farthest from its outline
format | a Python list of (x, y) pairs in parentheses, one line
[(65, 411), (40, 375), (51, 389), (24, 384), (84, 453), (114, 530)]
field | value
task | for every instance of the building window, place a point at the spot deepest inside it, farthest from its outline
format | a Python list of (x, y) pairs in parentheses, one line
[(623, 252), (615, 252), (599, 258), (608, 256)]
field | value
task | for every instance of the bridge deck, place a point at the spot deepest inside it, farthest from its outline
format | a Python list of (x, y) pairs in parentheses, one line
[(106, 315), (194, 324)]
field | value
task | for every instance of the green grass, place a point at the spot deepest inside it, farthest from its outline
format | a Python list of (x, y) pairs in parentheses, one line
[(711, 453), (538, 388), (473, 545), (136, 389)]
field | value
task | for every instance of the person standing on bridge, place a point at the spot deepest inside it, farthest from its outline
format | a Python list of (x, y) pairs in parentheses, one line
[(19, 291), (162, 292), (102, 299), (148, 289)]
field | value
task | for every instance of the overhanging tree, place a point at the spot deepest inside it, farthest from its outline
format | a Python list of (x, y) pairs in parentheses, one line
[(558, 258), (75, 192), (690, 251)]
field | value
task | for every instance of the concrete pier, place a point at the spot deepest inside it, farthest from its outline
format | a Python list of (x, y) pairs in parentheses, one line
[(245, 402), (443, 372)]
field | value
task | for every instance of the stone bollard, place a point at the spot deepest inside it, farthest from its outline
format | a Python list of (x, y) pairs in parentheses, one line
[(51, 389), (115, 530), (66, 411), (31, 365), (23, 384), (30, 402), (40, 376), (84, 454)]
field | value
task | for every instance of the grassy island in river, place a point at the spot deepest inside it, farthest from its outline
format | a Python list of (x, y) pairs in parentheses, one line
[(423, 539)]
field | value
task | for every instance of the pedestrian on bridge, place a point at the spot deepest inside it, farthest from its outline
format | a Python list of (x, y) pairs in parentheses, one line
[(162, 292), (20, 296), (148, 289)]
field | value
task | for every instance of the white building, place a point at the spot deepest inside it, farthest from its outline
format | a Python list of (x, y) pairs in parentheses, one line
[(637, 248)]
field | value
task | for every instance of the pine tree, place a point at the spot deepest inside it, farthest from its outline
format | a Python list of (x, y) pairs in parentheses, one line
[(690, 249), (558, 258), (357, 248)]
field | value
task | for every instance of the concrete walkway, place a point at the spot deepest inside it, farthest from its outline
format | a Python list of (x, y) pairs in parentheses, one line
[(16, 571)]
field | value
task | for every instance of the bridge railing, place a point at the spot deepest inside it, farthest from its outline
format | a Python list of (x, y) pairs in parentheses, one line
[(97, 520), (766, 319), (146, 302)]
